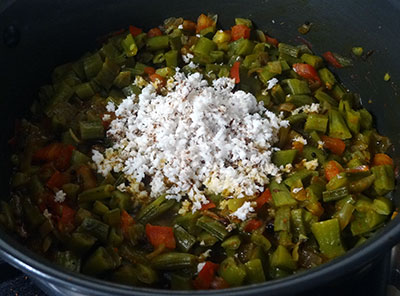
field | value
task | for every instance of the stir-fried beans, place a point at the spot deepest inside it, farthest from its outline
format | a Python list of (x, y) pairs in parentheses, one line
[(327, 195)]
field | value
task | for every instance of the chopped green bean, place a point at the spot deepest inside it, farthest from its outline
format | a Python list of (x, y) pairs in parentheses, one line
[(288, 49), (95, 228), (97, 193), (384, 179), (316, 122), (213, 227), (99, 262), (327, 234), (231, 272), (174, 261), (155, 209), (232, 243), (254, 271), (184, 239), (281, 258), (68, 260), (283, 157), (335, 194), (91, 130), (281, 195)]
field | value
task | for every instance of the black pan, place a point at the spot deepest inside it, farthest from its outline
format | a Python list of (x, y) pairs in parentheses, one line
[(38, 35)]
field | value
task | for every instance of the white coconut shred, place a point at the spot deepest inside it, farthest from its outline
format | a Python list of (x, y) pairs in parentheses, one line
[(196, 137)]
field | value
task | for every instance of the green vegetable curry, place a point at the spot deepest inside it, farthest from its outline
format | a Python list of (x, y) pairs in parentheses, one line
[(331, 196)]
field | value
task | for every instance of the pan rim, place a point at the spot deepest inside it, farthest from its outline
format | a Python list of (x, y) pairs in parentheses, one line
[(40, 268)]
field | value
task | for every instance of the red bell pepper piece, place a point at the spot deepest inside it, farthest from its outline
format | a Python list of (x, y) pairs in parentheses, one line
[(208, 206), (264, 198), (57, 180), (154, 32), (332, 168), (63, 161), (298, 146), (271, 40), (206, 275), (252, 225), (154, 77), (48, 153), (240, 31), (330, 58), (382, 159), (204, 22), (235, 73), (57, 152), (149, 70), (87, 176), (158, 235), (189, 25), (126, 222), (306, 71), (335, 145), (66, 221), (135, 30)]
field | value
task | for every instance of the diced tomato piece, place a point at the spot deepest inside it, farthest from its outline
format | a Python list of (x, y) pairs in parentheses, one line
[(154, 77), (126, 222), (149, 70), (48, 153), (57, 180), (252, 225), (330, 58), (335, 145), (235, 73), (154, 32), (264, 198), (135, 30), (57, 152), (298, 146), (208, 206), (204, 22), (382, 159), (306, 71), (189, 25), (240, 31), (88, 178), (158, 235), (332, 168), (206, 275), (63, 161), (271, 40), (66, 221)]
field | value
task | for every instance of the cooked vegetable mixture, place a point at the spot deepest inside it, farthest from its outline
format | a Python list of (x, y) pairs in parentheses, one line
[(188, 157)]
